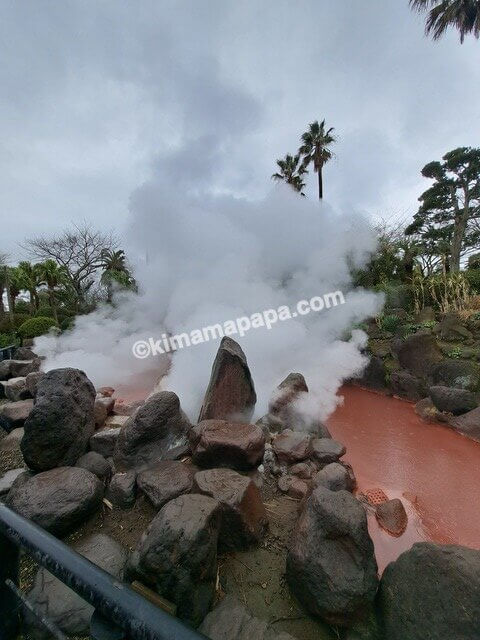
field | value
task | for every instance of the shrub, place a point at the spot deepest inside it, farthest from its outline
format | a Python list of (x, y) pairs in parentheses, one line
[(44, 312), (36, 327), (18, 320), (390, 323), (22, 306), (473, 278), (7, 339)]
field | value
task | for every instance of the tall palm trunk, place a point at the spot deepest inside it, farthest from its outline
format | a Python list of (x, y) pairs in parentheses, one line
[(53, 303), (320, 183), (10, 298), (2, 306)]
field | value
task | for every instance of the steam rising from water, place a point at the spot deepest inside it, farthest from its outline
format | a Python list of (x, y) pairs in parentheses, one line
[(202, 259)]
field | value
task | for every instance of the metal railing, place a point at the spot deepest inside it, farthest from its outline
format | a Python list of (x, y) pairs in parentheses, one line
[(113, 600)]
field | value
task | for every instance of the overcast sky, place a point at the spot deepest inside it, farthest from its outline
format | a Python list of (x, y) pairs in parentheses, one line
[(94, 95)]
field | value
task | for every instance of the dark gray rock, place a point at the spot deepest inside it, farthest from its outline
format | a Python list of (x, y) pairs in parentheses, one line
[(462, 374), (432, 592), (12, 440), (63, 606), (122, 489), (468, 424), (17, 368), (217, 443), (418, 353), (336, 477), (292, 446), (331, 565), (406, 385), (158, 426), (32, 381), (16, 389), (24, 353), (104, 441), (230, 620), (177, 555), (61, 422), (7, 480), (97, 464), (58, 500), (452, 400), (165, 481), (326, 450), (231, 393), (374, 375), (244, 519)]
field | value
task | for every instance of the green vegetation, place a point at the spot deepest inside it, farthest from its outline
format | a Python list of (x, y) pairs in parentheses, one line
[(34, 327)]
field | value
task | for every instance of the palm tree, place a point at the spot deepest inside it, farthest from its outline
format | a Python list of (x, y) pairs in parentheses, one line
[(114, 269), (30, 279), (291, 171), (13, 286), (462, 14), (52, 276), (315, 148)]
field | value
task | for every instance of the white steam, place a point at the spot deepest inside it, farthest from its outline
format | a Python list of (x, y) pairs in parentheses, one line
[(203, 259)]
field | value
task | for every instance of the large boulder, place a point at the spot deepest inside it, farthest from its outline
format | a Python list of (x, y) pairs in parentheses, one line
[(331, 565), (244, 519), (14, 414), (24, 353), (374, 375), (7, 480), (97, 464), (59, 603), (432, 592), (122, 489), (468, 424), (450, 327), (231, 393), (452, 400), (336, 477), (158, 427), (58, 500), (104, 441), (61, 421), (165, 481), (405, 385), (32, 380), (326, 450), (462, 374), (418, 353), (18, 368), (15, 389), (177, 554), (230, 620), (217, 443), (292, 446)]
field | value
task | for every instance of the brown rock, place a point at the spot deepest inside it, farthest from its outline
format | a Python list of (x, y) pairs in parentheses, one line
[(392, 516), (418, 353), (428, 411), (468, 424), (102, 408), (231, 393), (293, 487), (304, 470), (292, 446), (326, 450), (217, 443), (106, 392), (244, 519), (125, 408), (165, 481), (15, 413)]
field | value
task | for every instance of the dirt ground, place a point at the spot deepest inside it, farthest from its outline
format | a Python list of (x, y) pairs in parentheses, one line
[(256, 577)]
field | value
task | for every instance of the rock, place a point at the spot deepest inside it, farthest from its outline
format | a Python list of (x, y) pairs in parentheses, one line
[(63, 606), (5, 369), (13, 440), (97, 464), (292, 446), (285, 408), (270, 462), (115, 422), (405, 385), (244, 519), (451, 328), (336, 477), (427, 314), (32, 381), (468, 424), (292, 486), (326, 450), (24, 353), (16, 389), (14, 414), (231, 393), (304, 470), (21, 368), (177, 554), (7, 480), (106, 392), (452, 400), (158, 426), (165, 481), (217, 443), (428, 411), (230, 620), (418, 353), (374, 375), (462, 374), (58, 500), (431, 592), (331, 565), (61, 422), (122, 489), (125, 408), (392, 516), (101, 408), (104, 441)]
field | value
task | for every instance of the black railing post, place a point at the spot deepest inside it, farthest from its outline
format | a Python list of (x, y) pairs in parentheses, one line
[(9, 610)]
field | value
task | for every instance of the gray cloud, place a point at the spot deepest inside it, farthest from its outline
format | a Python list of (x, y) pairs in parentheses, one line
[(97, 97)]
